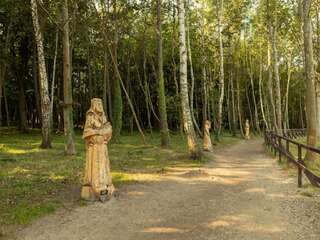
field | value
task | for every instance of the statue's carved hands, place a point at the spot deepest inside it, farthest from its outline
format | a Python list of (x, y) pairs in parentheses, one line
[(95, 139)]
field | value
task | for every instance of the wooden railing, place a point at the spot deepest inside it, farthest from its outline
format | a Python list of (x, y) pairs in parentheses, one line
[(283, 146)]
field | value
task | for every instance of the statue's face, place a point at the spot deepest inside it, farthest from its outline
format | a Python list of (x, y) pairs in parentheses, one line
[(96, 105), (99, 107)]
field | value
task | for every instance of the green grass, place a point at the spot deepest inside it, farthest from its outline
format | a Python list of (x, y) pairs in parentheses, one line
[(35, 182)]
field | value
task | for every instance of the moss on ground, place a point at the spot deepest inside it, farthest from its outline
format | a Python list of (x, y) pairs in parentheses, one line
[(35, 182)]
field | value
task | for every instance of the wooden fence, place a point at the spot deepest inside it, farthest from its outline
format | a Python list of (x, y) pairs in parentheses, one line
[(284, 145)]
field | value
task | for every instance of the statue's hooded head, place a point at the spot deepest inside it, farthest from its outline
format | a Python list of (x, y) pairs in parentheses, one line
[(207, 124), (96, 105)]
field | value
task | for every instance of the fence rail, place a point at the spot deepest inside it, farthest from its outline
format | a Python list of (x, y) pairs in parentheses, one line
[(283, 146)]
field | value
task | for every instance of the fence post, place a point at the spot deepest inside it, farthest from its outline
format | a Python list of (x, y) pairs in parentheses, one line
[(299, 168)]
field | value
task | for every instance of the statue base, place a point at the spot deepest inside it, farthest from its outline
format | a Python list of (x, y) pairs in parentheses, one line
[(88, 194)]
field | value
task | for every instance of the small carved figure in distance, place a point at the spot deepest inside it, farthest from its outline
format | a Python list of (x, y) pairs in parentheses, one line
[(247, 130), (207, 145), (97, 182)]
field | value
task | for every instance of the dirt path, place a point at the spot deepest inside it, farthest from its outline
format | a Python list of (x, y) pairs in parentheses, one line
[(242, 194)]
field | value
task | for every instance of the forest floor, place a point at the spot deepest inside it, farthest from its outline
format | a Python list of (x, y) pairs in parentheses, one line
[(241, 194)]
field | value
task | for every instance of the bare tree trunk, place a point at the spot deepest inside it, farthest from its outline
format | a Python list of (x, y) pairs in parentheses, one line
[(106, 79), (301, 111), (2, 76), (22, 106), (256, 115), (221, 74), (127, 95), (187, 118), (67, 85), (192, 78), (311, 108), (6, 107), (161, 87), (286, 111), (270, 88), (277, 79), (3, 70), (233, 108), (249, 104), (36, 83), (44, 89), (117, 101), (317, 72), (260, 94), (54, 78)]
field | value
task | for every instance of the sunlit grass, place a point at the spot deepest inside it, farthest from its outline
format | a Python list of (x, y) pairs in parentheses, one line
[(35, 182)]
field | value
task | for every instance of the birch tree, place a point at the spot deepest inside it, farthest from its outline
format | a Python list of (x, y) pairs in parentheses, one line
[(186, 113), (44, 88)]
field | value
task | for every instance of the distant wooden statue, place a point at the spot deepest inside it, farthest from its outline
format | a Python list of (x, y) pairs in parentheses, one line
[(247, 129), (97, 133), (207, 145)]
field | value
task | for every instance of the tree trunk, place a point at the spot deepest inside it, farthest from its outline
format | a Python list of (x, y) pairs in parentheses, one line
[(221, 74), (192, 78), (270, 88), (117, 94), (233, 108), (186, 113), (67, 85), (22, 106), (161, 88), (256, 116), (127, 96), (6, 107), (106, 79), (54, 78), (44, 89), (286, 111), (277, 79), (36, 84), (311, 108), (260, 94)]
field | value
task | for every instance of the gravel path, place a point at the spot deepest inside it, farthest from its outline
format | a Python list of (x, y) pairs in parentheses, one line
[(242, 194)]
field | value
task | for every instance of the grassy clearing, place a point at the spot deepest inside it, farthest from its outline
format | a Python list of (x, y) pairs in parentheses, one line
[(35, 182)]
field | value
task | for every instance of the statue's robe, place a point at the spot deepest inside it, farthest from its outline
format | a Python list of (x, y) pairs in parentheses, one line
[(247, 130), (97, 133), (207, 145)]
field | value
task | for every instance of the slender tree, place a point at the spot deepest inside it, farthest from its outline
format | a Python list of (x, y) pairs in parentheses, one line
[(311, 107), (186, 113), (161, 88), (67, 85), (221, 72), (44, 88)]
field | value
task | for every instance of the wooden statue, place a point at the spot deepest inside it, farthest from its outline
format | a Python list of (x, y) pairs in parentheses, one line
[(247, 129), (207, 145), (97, 133)]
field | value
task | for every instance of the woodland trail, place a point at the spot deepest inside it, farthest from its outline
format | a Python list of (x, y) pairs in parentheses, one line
[(241, 194)]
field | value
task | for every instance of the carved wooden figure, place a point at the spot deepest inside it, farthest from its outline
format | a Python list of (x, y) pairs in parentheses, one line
[(247, 129), (97, 133), (207, 145)]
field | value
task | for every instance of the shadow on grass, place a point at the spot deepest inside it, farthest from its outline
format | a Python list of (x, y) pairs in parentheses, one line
[(35, 181)]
